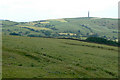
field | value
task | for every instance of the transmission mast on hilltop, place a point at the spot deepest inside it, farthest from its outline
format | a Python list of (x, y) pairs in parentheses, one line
[(88, 14)]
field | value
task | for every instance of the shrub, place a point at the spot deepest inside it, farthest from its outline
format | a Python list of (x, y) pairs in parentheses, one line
[(20, 65), (32, 65), (13, 33), (102, 41)]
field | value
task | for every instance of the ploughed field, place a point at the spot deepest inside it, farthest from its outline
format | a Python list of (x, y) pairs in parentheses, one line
[(34, 57)]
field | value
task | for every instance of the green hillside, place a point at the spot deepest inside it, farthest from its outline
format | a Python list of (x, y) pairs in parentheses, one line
[(79, 28), (34, 57), (60, 48)]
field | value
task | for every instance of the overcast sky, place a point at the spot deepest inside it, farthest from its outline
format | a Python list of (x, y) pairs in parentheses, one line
[(32, 10)]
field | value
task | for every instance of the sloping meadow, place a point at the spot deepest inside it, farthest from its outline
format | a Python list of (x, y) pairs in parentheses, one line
[(32, 57)]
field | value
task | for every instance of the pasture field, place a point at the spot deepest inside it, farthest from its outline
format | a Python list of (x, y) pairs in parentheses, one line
[(35, 28), (60, 20), (34, 57)]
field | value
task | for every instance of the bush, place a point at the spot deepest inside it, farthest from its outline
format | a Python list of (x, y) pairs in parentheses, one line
[(34, 35), (101, 41), (13, 33), (20, 65), (32, 65)]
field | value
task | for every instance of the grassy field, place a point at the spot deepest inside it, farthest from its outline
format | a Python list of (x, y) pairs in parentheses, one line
[(35, 28), (27, 57)]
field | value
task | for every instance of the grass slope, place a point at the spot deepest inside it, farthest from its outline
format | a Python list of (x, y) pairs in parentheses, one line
[(27, 57)]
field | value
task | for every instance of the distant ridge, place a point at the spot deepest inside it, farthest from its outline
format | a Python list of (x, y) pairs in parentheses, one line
[(59, 18)]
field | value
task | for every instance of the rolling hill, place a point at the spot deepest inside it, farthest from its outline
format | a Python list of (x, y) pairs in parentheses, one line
[(80, 28), (56, 48)]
